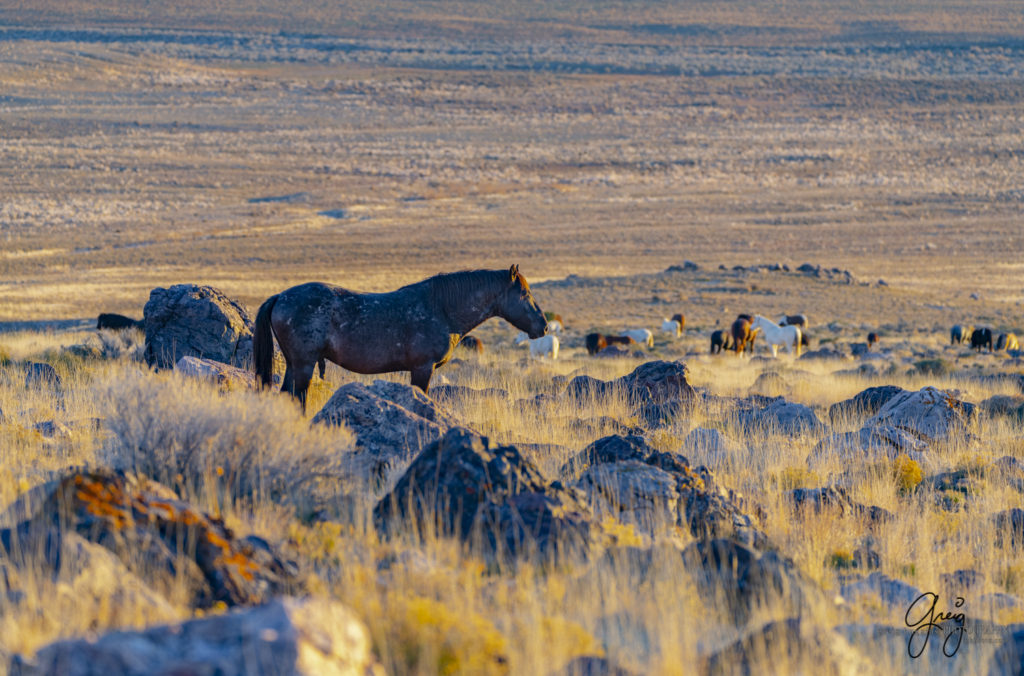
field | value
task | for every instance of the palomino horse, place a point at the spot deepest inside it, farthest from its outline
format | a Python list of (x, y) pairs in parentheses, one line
[(674, 326), (775, 335), (415, 328)]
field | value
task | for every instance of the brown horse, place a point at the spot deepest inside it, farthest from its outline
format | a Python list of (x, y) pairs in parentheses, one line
[(619, 340), (742, 335), (472, 344), (595, 343), (678, 317), (415, 328)]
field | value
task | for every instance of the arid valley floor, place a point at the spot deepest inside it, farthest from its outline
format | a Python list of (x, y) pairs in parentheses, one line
[(599, 147)]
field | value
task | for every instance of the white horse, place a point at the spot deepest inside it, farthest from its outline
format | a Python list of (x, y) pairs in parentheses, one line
[(545, 346), (672, 327), (775, 335), (555, 326), (641, 336)]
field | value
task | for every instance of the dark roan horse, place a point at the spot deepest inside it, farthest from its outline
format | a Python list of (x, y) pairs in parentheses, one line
[(415, 328)]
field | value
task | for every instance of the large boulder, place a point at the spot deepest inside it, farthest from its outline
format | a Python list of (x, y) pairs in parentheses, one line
[(930, 414), (188, 319), (657, 390), (154, 533), (391, 421), (490, 495), (865, 403), (285, 636)]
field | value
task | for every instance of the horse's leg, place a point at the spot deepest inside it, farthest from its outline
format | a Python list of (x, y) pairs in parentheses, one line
[(323, 367), (421, 376), (303, 376), (286, 382)]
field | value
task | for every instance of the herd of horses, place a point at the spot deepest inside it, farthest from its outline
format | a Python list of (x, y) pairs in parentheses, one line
[(418, 327), (982, 337)]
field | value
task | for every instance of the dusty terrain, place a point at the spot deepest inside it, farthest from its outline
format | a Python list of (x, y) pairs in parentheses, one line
[(371, 145)]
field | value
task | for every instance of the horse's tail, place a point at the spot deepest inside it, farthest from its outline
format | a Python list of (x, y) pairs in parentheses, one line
[(263, 344)]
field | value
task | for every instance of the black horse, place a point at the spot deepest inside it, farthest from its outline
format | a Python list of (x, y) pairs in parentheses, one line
[(415, 328), (109, 320), (981, 338)]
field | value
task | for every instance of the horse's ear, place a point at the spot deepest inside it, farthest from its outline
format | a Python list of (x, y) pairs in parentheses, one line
[(513, 272)]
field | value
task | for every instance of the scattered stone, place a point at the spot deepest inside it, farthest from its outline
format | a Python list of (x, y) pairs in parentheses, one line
[(836, 498), (52, 429), (779, 416), (826, 353), (464, 485), (930, 414), (154, 533), (391, 421), (42, 375), (589, 665), (770, 384), (865, 403), (894, 595), (587, 387), (870, 443), (1004, 405), (803, 646), (188, 319), (224, 376), (711, 447), (284, 636), (463, 392)]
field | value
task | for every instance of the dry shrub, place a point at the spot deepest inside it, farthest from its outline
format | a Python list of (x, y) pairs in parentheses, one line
[(242, 445)]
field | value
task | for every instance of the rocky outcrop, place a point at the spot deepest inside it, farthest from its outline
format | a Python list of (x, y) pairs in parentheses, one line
[(391, 421), (657, 390), (870, 443), (154, 533), (188, 319), (930, 414), (490, 496), (285, 636)]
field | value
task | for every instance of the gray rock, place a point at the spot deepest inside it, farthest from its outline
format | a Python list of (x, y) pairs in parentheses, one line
[(805, 647), (462, 392), (930, 414), (770, 384), (41, 375), (219, 373), (895, 595), (285, 636), (739, 579), (825, 354), (829, 497), (464, 485), (612, 448), (870, 443), (1007, 406), (391, 421), (779, 416), (865, 403), (586, 387), (187, 319), (590, 665), (710, 447)]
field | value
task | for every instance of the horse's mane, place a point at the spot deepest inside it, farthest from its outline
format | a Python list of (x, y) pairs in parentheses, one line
[(454, 286)]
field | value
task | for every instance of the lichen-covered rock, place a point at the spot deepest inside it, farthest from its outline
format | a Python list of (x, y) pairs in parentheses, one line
[(153, 532), (285, 636), (188, 319), (464, 485), (930, 414), (865, 403), (223, 375), (391, 421)]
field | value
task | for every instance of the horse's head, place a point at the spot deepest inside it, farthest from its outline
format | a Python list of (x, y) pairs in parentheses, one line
[(517, 306)]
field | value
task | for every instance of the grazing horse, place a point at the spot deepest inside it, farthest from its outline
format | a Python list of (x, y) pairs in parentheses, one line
[(620, 340), (674, 326), (595, 343), (720, 341), (872, 339), (794, 320), (959, 334), (414, 328), (742, 334), (788, 336), (545, 346), (472, 344), (641, 336), (980, 338), (118, 322), (1007, 341)]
